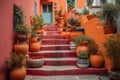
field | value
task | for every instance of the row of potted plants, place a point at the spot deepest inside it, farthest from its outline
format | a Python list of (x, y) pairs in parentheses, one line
[(88, 54), (24, 42)]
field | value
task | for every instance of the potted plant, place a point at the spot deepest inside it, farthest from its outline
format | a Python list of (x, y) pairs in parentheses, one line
[(112, 58), (109, 14), (34, 44), (89, 3), (35, 61), (17, 66), (37, 23), (96, 60), (83, 59), (22, 31), (82, 41), (21, 45)]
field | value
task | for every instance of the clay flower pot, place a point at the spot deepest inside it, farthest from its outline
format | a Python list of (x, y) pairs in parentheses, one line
[(18, 73)]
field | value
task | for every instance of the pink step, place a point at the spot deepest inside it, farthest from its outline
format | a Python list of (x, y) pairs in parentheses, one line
[(51, 29), (53, 32), (54, 41), (60, 61), (50, 26), (64, 70), (55, 47), (54, 54), (53, 37)]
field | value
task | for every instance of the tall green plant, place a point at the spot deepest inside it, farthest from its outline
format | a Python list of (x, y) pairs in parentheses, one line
[(16, 60), (112, 46), (110, 13), (38, 21)]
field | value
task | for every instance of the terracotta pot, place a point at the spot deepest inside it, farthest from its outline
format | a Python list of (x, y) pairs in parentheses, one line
[(108, 64), (34, 46), (81, 48), (39, 31), (66, 34), (21, 48), (96, 61), (109, 29), (18, 73), (22, 37), (33, 39), (60, 30), (68, 30), (75, 34)]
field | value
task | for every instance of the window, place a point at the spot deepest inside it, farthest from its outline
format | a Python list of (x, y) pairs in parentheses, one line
[(17, 16), (35, 8), (71, 1)]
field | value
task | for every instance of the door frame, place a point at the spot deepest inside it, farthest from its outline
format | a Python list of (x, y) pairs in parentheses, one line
[(51, 3)]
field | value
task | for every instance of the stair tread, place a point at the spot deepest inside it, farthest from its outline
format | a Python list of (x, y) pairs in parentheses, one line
[(60, 45), (61, 59), (63, 68), (53, 51)]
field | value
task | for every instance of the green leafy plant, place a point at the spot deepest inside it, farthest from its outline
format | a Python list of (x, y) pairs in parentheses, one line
[(85, 11), (89, 2), (70, 5), (112, 46), (33, 34), (93, 48), (78, 40), (38, 21), (16, 60), (83, 55), (22, 29), (110, 13), (59, 12), (57, 19)]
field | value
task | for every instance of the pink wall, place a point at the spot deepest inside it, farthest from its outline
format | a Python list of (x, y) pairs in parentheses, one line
[(6, 27)]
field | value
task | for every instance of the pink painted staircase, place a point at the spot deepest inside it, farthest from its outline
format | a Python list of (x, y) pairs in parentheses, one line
[(59, 60)]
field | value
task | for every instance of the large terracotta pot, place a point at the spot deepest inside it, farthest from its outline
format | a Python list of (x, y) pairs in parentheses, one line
[(22, 37), (75, 34), (66, 34), (18, 73), (33, 39), (21, 48), (34, 46), (96, 61), (81, 48), (39, 31), (60, 30)]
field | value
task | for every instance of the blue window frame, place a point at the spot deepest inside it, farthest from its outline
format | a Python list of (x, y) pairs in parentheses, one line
[(73, 1), (35, 8)]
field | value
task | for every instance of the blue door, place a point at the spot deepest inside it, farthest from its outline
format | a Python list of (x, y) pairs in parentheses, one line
[(47, 13)]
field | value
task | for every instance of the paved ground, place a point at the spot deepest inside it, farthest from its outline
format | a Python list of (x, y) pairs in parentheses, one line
[(81, 77)]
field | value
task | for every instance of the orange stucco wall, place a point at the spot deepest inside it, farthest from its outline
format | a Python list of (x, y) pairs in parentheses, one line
[(80, 3), (6, 27), (94, 29)]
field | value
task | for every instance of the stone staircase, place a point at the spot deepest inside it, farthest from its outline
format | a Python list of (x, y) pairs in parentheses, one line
[(59, 59)]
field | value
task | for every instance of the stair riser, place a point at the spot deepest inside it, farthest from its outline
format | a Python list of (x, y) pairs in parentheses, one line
[(53, 42), (60, 63), (55, 48), (51, 29), (54, 55), (53, 37), (66, 72), (52, 32)]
